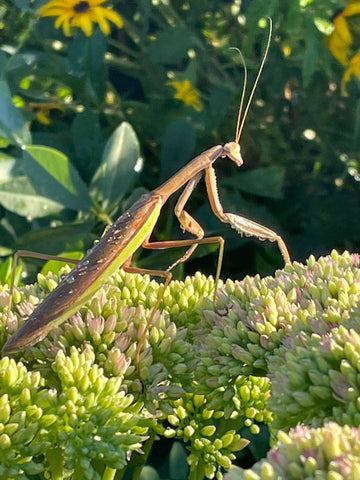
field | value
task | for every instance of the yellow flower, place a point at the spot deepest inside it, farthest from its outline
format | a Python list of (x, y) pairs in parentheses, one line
[(340, 43), (340, 39), (187, 94), (43, 116), (80, 13), (352, 69), (43, 110)]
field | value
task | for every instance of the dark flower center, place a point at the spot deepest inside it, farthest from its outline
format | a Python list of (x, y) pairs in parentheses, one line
[(82, 7)]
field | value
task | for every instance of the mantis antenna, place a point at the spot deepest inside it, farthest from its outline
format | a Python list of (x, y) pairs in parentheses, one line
[(241, 118)]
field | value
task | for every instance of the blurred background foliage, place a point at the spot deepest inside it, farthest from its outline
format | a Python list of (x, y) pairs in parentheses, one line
[(69, 165)]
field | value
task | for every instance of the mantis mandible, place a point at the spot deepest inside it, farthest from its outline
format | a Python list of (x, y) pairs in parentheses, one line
[(133, 229)]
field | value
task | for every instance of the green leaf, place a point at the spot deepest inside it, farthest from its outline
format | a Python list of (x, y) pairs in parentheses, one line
[(3, 62), (12, 124), (148, 473), (265, 182), (97, 69), (6, 272), (171, 45), (85, 131), (53, 176), (311, 54), (19, 196), (356, 135), (118, 169), (219, 101), (178, 466), (7, 165), (177, 146), (23, 5), (56, 265), (68, 237), (87, 59)]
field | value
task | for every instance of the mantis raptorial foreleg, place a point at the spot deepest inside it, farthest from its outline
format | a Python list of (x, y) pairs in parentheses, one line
[(241, 224), (187, 222)]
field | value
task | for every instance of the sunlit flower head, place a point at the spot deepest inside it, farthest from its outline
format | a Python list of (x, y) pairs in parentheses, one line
[(340, 42), (81, 13), (187, 94)]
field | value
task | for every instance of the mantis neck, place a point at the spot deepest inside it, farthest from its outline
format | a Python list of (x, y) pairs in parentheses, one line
[(197, 165)]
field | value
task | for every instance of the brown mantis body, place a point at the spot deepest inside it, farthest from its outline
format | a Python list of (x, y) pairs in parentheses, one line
[(133, 229)]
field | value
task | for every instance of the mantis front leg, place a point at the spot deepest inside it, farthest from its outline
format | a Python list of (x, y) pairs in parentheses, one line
[(189, 224), (241, 224)]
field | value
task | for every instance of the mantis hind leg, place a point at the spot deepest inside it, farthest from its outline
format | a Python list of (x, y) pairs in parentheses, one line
[(192, 243)]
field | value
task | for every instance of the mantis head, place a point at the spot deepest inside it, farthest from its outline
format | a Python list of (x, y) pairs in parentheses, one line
[(232, 150)]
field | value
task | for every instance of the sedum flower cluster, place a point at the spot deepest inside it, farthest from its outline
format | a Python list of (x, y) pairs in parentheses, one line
[(317, 378), (281, 350), (257, 318), (59, 426), (331, 452), (103, 404)]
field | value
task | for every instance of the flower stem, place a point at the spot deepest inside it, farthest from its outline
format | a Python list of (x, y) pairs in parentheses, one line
[(109, 474)]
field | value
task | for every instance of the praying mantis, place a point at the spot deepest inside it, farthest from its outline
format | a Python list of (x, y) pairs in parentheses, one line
[(133, 229)]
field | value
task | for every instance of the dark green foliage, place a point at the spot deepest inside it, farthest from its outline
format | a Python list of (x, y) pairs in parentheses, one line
[(299, 142)]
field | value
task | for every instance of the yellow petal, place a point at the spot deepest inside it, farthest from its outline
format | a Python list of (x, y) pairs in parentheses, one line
[(43, 117), (113, 17), (67, 27), (342, 29), (353, 69), (53, 12), (340, 40), (95, 3), (62, 5), (64, 22), (64, 17), (338, 48), (104, 25), (97, 16), (352, 9), (355, 63), (84, 22)]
